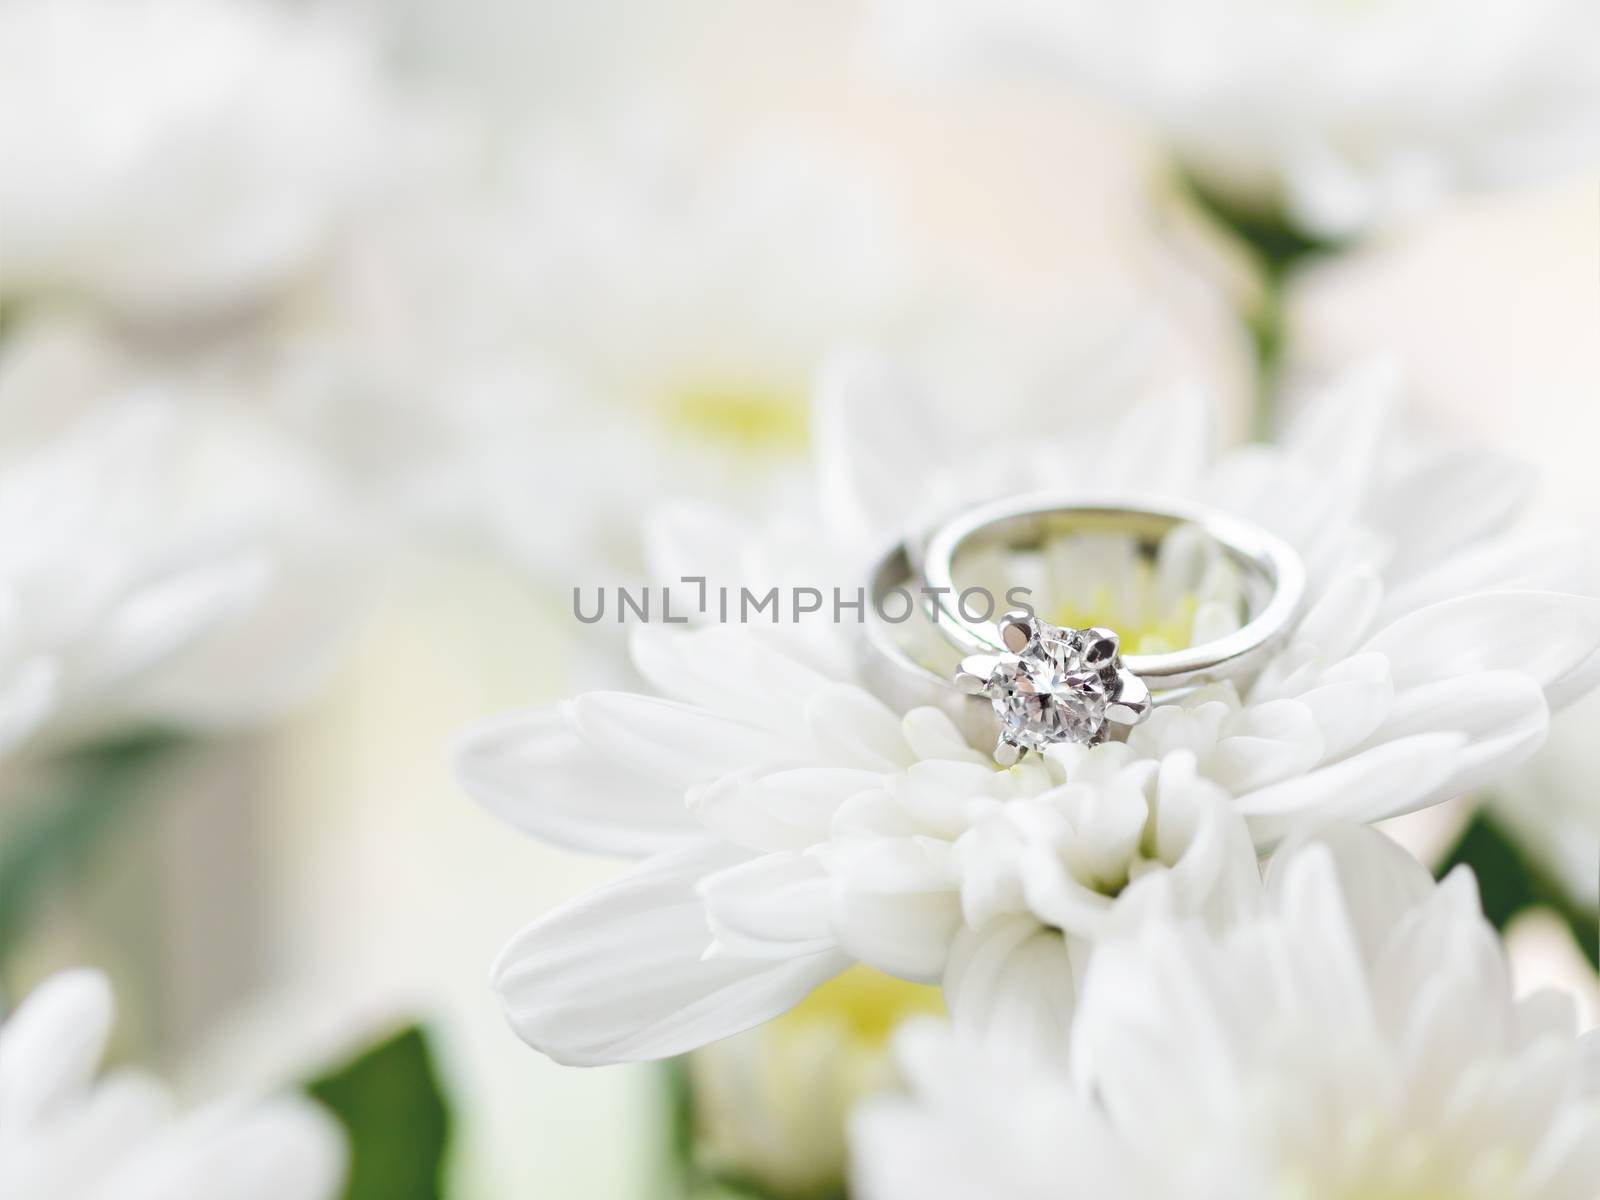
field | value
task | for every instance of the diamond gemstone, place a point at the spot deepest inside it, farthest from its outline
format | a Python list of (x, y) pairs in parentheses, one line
[(1047, 693)]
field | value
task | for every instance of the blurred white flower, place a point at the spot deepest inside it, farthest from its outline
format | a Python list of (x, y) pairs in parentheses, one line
[(177, 158), (234, 199), (1358, 1038), (1338, 116), (769, 1106), (599, 316), (65, 1135), (1552, 806), (795, 823), (683, 299), (163, 563)]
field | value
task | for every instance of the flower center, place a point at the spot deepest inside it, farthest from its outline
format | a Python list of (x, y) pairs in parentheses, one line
[(750, 416), (1151, 630), (868, 1003)]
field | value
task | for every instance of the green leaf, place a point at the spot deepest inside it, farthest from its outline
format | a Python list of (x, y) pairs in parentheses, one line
[(1511, 884), (1278, 248), (61, 814), (1271, 237), (396, 1118)]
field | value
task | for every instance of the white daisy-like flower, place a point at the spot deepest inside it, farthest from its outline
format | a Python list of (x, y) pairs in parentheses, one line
[(794, 823), (1338, 116), (177, 158), (236, 200), (683, 300), (770, 1106), (164, 564), (67, 1135), (596, 315), (1552, 807), (1356, 1038)]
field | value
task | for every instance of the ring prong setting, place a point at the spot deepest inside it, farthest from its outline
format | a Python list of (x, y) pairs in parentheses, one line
[(1133, 702), (1017, 629), (1054, 685), (975, 672)]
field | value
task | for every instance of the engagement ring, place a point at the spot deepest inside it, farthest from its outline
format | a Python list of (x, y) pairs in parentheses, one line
[(1023, 683)]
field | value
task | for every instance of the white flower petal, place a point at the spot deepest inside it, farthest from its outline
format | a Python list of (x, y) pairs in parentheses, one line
[(725, 670), (1010, 988), (1379, 881), (166, 615), (1369, 786), (26, 699), (687, 539), (1059, 898), (1349, 701), (68, 1153), (776, 906), (1502, 715), (1343, 427), (1544, 635), (1265, 743), (1568, 1162), (285, 1147), (532, 770), (1280, 494), (991, 883), (1214, 871), (853, 727), (1550, 562), (51, 1046), (1589, 1064), (779, 810), (1163, 442), (677, 744), (897, 907), (869, 442), (1577, 683), (1458, 499), (1150, 1032), (930, 734), (983, 1130), (900, 933), (620, 974), (1342, 616)]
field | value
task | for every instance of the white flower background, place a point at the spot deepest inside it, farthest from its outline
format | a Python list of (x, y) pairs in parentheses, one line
[(340, 341)]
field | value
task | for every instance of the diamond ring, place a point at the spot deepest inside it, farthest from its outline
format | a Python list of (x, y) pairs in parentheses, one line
[(1022, 683), (1053, 684)]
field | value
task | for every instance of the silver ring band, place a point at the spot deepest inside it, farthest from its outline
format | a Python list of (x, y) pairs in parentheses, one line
[(1022, 683), (1272, 569), (896, 673)]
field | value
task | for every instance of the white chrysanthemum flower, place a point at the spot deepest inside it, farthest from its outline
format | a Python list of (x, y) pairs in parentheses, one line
[(234, 199), (1357, 1038), (177, 158), (596, 316), (66, 1135), (769, 1106), (1552, 807), (1337, 115), (683, 301), (632, 316), (794, 823), (163, 567)]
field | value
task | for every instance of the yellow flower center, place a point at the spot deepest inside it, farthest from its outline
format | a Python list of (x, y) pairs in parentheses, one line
[(748, 416), (1144, 632), (868, 1003)]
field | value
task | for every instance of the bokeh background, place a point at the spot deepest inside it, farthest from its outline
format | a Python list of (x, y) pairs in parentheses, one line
[(558, 292)]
